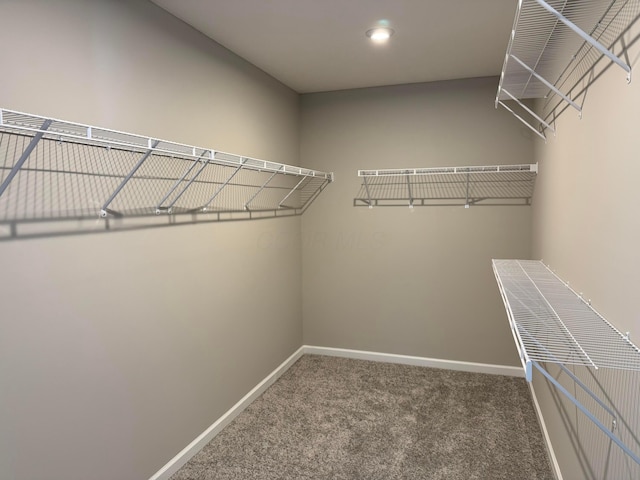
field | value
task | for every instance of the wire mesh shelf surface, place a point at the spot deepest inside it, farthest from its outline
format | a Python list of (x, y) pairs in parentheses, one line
[(554, 47), (471, 185), (52, 169), (554, 324)]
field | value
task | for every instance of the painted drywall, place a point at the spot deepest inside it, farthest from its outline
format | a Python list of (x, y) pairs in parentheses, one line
[(118, 349), (390, 280), (586, 228)]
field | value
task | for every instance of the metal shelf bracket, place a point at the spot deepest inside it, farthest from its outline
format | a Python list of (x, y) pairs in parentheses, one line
[(105, 208)]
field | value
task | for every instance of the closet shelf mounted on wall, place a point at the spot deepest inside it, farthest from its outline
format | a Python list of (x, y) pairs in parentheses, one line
[(441, 186), (551, 323), (552, 52), (58, 170)]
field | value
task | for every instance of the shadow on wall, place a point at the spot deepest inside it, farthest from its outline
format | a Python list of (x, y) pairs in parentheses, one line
[(25, 229), (576, 81), (599, 458)]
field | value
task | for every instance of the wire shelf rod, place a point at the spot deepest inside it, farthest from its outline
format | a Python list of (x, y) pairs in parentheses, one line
[(573, 377), (173, 202), (292, 190), (366, 187), (220, 188), (527, 124), (264, 185), (105, 207), (529, 111), (176, 184), (547, 83)]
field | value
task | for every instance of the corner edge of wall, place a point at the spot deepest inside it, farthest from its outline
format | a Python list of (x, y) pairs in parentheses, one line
[(173, 465)]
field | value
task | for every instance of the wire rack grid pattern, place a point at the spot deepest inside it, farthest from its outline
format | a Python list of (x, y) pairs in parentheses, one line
[(474, 185), (554, 47), (53, 169), (556, 325)]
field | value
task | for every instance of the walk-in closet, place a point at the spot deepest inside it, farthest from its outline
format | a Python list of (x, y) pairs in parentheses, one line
[(319, 240)]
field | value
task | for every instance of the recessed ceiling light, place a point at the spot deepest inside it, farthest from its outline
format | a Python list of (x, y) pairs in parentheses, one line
[(380, 34)]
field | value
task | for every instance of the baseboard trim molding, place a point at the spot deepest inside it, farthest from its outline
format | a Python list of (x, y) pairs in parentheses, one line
[(205, 437), (418, 361), (545, 433)]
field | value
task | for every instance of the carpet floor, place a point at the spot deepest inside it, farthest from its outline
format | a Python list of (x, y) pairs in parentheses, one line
[(337, 418)]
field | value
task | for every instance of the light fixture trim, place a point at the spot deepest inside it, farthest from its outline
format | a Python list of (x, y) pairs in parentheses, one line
[(380, 34)]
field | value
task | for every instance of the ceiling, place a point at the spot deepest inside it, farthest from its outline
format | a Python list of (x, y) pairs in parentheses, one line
[(320, 45)]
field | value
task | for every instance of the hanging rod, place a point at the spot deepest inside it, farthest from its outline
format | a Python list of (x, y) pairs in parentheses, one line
[(552, 324), (53, 169)]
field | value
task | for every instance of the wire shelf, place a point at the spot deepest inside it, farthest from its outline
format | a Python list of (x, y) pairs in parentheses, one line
[(474, 185), (55, 170), (551, 323), (554, 324), (553, 47)]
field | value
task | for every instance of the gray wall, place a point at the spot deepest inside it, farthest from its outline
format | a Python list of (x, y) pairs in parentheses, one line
[(117, 350), (585, 226), (388, 280)]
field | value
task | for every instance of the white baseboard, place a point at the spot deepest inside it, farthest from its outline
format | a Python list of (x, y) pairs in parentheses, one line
[(545, 433), (205, 437), (418, 361)]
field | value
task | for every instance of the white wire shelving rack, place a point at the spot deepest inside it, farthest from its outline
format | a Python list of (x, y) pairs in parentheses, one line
[(551, 323), (57, 170), (552, 51), (441, 186)]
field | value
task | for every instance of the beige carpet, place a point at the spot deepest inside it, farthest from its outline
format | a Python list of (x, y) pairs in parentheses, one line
[(336, 418)]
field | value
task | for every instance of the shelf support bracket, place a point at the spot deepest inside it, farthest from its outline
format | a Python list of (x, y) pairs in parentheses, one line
[(175, 185), (221, 187), (366, 187), (204, 165), (529, 111), (105, 207), (466, 202), (553, 88), (293, 190), (264, 185), (587, 38), (591, 417), (534, 130), (25, 155), (410, 192)]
